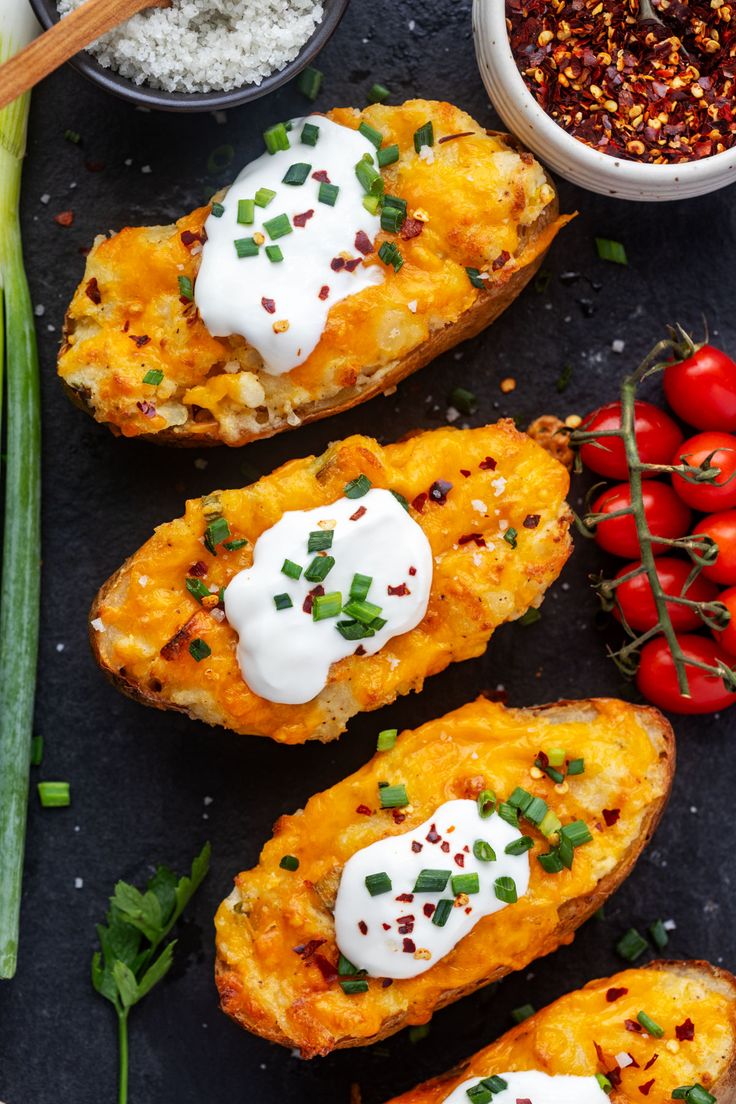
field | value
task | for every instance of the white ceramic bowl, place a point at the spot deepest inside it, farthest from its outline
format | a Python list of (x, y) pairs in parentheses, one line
[(599, 172)]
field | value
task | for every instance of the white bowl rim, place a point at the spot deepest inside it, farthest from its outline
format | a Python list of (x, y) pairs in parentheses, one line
[(498, 46)]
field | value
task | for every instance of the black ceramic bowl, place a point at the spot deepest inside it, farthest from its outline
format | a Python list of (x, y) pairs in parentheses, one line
[(142, 94)]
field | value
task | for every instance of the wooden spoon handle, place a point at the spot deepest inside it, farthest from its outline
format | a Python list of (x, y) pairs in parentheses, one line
[(62, 41)]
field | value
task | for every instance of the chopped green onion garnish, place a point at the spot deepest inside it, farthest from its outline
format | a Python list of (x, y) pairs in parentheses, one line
[(278, 227), (650, 1026), (376, 884), (246, 212), (424, 136), (441, 914), (276, 138), (282, 601), (604, 1083), (530, 617), (550, 824), (297, 173), (374, 136), (365, 612), (328, 194), (536, 810), (556, 756), (566, 851), (320, 540), (519, 846), (234, 545), (310, 134), (510, 536), (393, 797), (310, 82), (476, 279), (520, 798), (611, 251), (356, 488), (186, 291), (550, 862), (153, 376), (345, 967), (431, 881), (632, 945), (36, 751), (483, 851), (693, 1094), (215, 533), (395, 201), (355, 986), (390, 255), (218, 210), (197, 589), (199, 650), (274, 254), (73, 136), (509, 813), (220, 158), (289, 862), (575, 766), (465, 883), (372, 204), (486, 801), (577, 833), (378, 93), (505, 890), (54, 795), (496, 1084), (555, 775), (387, 739), (353, 630), (523, 1012), (360, 586), (326, 605), (389, 155), (293, 570), (263, 197), (246, 247), (479, 1094), (659, 935), (392, 219), (370, 178), (463, 400)]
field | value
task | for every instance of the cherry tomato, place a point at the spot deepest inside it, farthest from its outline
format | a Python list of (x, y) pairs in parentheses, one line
[(727, 637), (702, 389), (657, 438), (719, 495), (657, 677), (722, 528), (637, 603), (665, 514)]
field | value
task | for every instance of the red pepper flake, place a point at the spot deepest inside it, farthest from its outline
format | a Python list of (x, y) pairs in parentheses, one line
[(358, 513), (303, 219), (531, 521), (306, 950), (633, 1025), (350, 266), (465, 472), (685, 1032), (337, 264), (543, 759), (405, 898), (64, 218), (651, 1061), (189, 237), (399, 818), (92, 291), (198, 569), (387, 983), (411, 228), (460, 859), (416, 846), (147, 409), (140, 339), (321, 176), (444, 846), (324, 291), (613, 994), (646, 1087), (439, 491), (362, 927), (363, 243), (401, 590), (269, 305), (489, 464), (126, 327), (452, 137), (328, 971), (500, 260), (433, 835), (412, 571), (429, 909), (309, 600), (363, 810), (477, 538), (611, 816), (359, 651), (419, 501), (386, 927), (409, 946)]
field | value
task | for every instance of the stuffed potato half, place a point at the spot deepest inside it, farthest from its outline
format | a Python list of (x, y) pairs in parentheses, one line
[(139, 358), (277, 957), (592, 1030), (144, 619)]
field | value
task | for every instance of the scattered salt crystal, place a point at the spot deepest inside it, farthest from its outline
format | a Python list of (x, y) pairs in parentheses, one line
[(412, 306), (128, 161), (217, 614), (200, 463), (623, 1060), (146, 169), (499, 485), (142, 580), (617, 345), (479, 506), (451, 414), (45, 197), (393, 661), (208, 800), (220, 117), (78, 883), (98, 624), (60, 647), (426, 153), (39, 310), (669, 925)]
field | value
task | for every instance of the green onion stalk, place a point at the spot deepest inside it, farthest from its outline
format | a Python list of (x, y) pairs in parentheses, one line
[(21, 560)]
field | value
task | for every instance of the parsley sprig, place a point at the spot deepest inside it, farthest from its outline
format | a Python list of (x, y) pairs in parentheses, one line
[(130, 963)]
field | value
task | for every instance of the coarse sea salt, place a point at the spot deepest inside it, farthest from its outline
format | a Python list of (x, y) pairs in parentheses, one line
[(206, 45)]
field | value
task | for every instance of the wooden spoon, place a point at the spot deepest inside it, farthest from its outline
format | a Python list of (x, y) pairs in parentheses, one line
[(62, 41)]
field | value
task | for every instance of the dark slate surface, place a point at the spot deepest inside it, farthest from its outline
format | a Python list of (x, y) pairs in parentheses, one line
[(140, 778)]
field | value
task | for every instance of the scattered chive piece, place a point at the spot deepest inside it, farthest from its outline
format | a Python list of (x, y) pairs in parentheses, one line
[(274, 254), (278, 227), (659, 935), (310, 134), (388, 155), (575, 766), (519, 846), (387, 739), (577, 833), (523, 1012), (153, 376), (326, 605), (320, 540), (509, 814), (530, 617), (550, 824), (474, 275), (566, 851), (392, 219), (297, 173), (556, 756), (353, 630), (550, 862), (611, 251), (54, 795), (246, 247), (365, 612), (536, 811), (289, 862), (424, 136), (215, 533), (263, 197), (563, 380), (483, 851), (218, 210), (463, 400), (479, 1094), (631, 945), (496, 1084), (400, 499), (390, 255), (465, 883), (541, 281), (650, 1026), (73, 136), (234, 545), (358, 487), (505, 890), (370, 178), (371, 204), (360, 586), (345, 967), (441, 914), (393, 797), (520, 798), (310, 82), (246, 213), (185, 287), (199, 649), (551, 772), (358, 985), (276, 138), (220, 158), (197, 589), (282, 601), (604, 1083), (416, 1034), (377, 884), (431, 881), (378, 93), (510, 536), (395, 201), (693, 1094), (293, 570), (328, 194), (374, 136), (36, 751), (486, 801)]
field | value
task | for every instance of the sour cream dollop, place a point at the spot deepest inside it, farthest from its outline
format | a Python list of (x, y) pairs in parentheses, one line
[(254, 296), (538, 1088), (395, 934), (285, 654)]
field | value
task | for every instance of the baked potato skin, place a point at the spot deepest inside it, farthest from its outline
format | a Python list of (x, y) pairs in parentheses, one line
[(561, 1038), (147, 628), (282, 995), (127, 318)]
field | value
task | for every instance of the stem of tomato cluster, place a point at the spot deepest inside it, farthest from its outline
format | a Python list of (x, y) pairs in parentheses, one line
[(123, 1056)]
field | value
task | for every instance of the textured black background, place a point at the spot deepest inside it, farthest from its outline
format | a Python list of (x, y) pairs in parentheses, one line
[(139, 778)]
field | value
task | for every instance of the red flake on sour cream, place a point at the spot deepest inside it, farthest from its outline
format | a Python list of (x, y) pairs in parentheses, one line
[(401, 590), (303, 219), (363, 243), (358, 513), (409, 946), (269, 305), (321, 176), (324, 291), (350, 266), (362, 927), (416, 846), (337, 264)]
